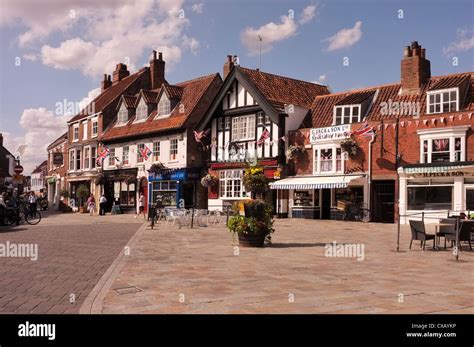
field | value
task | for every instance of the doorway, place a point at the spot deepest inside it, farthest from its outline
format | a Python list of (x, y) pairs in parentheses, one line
[(383, 204), (144, 189), (325, 203)]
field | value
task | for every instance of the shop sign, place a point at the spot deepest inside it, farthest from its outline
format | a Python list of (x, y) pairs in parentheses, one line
[(337, 132), (446, 174), (58, 159)]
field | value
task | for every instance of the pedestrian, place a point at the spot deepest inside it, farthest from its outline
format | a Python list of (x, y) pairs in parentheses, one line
[(102, 202), (141, 206), (91, 204), (32, 202)]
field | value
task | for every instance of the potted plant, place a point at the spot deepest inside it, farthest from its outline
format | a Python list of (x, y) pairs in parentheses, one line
[(294, 152), (209, 180), (254, 181), (64, 193), (82, 193), (255, 227), (350, 146), (156, 168)]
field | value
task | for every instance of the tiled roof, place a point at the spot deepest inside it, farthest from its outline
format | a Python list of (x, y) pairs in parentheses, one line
[(449, 82), (202, 89), (322, 108), (283, 90), (174, 92), (356, 98), (60, 139), (41, 167), (129, 101), (109, 95), (149, 96)]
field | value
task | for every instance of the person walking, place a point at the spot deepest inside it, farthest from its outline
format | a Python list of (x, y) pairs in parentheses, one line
[(102, 202), (32, 202), (91, 204), (141, 206)]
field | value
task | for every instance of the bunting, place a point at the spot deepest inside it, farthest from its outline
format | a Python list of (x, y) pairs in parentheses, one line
[(265, 135)]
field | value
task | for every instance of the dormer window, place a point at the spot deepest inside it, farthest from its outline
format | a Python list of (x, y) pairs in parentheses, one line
[(347, 114), (164, 108), (122, 116), (142, 111), (440, 101)]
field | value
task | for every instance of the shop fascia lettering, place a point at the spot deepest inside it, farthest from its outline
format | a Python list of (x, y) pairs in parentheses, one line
[(330, 133), (443, 174)]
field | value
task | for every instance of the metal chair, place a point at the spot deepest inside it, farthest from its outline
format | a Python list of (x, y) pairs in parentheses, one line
[(418, 233)]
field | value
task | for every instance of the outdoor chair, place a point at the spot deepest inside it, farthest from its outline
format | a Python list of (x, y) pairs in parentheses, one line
[(171, 215), (418, 233), (447, 230), (183, 217), (465, 229)]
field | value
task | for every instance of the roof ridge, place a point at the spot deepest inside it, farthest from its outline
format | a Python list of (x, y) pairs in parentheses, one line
[(285, 77)]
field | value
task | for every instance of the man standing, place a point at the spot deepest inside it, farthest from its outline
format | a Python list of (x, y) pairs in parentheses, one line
[(102, 202), (141, 206), (32, 202)]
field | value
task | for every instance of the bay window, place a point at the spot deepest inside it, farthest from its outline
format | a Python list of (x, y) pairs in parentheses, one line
[(72, 160), (328, 160), (231, 184), (93, 157), (443, 145), (78, 159), (243, 128)]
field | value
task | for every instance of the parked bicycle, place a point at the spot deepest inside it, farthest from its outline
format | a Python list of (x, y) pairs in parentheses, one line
[(21, 214), (355, 212)]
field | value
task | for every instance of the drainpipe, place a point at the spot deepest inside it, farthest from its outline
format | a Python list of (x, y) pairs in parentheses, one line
[(369, 183)]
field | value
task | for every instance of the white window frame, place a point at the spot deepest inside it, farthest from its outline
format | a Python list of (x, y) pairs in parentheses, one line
[(95, 126), (441, 102), (127, 156), (443, 133), (141, 112), (238, 133), (84, 130), (164, 108), (93, 158), (79, 150), (140, 158), (88, 159), (174, 156), (75, 133), (111, 157), (122, 116), (317, 162), (72, 158), (156, 151), (228, 182), (351, 107)]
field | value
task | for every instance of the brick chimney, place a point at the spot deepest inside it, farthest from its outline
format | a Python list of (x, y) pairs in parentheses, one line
[(106, 82), (157, 70), (415, 68), (120, 73), (229, 64), (1, 140)]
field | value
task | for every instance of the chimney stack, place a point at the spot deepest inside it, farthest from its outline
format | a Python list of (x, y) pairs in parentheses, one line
[(106, 83), (229, 64), (120, 73), (415, 68), (1, 140), (157, 70)]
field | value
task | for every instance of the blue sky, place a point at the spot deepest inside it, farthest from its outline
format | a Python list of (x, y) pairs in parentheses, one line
[(64, 54)]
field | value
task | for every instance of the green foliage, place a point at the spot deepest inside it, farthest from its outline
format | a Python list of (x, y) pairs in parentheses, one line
[(263, 223), (64, 193), (254, 180)]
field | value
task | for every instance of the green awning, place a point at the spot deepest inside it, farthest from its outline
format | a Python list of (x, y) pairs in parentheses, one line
[(51, 180)]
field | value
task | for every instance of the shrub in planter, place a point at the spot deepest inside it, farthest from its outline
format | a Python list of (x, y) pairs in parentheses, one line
[(209, 180), (82, 193), (351, 147)]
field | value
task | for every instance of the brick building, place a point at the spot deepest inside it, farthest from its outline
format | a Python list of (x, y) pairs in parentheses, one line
[(434, 171), (38, 178), (7, 163), (151, 144), (248, 122), (56, 177)]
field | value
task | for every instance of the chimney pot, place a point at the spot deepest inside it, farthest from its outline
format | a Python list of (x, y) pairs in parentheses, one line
[(154, 55), (120, 73), (1, 140), (160, 56), (106, 82)]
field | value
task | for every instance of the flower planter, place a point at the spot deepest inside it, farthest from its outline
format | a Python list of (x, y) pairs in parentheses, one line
[(252, 240)]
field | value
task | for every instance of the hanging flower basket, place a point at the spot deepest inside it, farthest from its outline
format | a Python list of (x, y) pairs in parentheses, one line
[(255, 181), (294, 152), (209, 180), (100, 179), (351, 147), (156, 168)]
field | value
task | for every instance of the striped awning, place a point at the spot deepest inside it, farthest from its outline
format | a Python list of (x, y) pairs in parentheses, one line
[(313, 182), (436, 169)]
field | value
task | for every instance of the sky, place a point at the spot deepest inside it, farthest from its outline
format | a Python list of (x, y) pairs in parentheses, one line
[(54, 53)]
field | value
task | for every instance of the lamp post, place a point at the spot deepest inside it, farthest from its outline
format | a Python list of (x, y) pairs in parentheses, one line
[(398, 183)]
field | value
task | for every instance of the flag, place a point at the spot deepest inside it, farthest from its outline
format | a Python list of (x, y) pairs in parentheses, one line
[(199, 135), (365, 130), (145, 152), (265, 135), (102, 155)]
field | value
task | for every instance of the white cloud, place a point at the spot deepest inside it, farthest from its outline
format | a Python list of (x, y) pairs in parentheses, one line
[(197, 8), (321, 79), (345, 38), (309, 12), (270, 33), (30, 56), (463, 43), (111, 32)]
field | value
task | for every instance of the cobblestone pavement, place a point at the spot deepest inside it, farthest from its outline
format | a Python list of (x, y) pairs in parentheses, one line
[(173, 270), (74, 251)]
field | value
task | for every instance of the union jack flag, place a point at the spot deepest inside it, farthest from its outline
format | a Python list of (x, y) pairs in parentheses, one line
[(265, 135), (199, 135), (365, 130), (145, 152), (441, 145), (102, 155)]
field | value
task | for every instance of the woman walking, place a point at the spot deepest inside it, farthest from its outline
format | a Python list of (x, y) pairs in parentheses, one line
[(91, 204)]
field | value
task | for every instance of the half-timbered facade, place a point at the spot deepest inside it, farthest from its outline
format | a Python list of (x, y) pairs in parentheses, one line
[(248, 122)]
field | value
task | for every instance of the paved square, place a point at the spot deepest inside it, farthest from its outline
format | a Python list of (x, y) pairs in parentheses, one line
[(173, 270), (74, 251)]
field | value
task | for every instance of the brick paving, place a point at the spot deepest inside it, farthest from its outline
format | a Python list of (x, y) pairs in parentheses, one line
[(74, 251), (197, 271)]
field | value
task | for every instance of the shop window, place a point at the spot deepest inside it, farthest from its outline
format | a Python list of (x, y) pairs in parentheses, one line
[(127, 194), (165, 192), (430, 198), (306, 198), (353, 195), (231, 185), (470, 199), (328, 160)]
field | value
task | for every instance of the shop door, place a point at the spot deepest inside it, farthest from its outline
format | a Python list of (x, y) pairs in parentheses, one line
[(383, 206), (326, 204), (109, 195), (144, 190), (188, 194)]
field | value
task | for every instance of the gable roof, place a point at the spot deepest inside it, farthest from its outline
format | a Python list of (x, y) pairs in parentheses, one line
[(196, 96), (322, 108), (41, 167), (108, 96), (148, 95), (59, 140), (173, 92)]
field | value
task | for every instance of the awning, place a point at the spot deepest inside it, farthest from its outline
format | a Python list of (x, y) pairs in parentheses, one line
[(313, 182), (438, 169)]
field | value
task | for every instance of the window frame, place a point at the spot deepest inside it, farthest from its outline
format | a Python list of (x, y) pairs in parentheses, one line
[(156, 151), (335, 161), (86, 160), (127, 152), (452, 134), (351, 114), (95, 128), (160, 112), (111, 159), (441, 93), (122, 116), (250, 120), (229, 182), (75, 132), (173, 156), (141, 112)]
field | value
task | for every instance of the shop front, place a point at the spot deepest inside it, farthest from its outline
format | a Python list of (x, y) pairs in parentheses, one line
[(120, 189), (174, 187), (435, 191), (319, 197)]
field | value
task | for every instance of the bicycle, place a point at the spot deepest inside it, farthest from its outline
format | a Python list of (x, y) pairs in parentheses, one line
[(27, 214), (356, 213)]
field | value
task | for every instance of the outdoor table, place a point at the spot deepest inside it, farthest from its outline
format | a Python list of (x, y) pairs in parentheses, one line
[(437, 226)]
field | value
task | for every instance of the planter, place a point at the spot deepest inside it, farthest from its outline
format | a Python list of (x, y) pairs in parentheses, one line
[(256, 211), (82, 209), (252, 240)]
